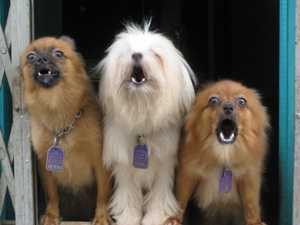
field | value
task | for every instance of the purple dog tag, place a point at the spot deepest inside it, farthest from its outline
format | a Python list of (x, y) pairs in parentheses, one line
[(225, 182), (140, 157), (55, 159)]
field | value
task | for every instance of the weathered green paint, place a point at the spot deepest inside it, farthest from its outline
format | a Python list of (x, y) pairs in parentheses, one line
[(5, 111), (286, 109)]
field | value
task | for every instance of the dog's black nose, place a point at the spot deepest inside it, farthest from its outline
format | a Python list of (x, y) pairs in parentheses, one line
[(137, 57), (42, 59), (228, 108)]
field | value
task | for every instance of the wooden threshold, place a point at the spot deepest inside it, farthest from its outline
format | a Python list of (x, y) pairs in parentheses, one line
[(12, 222)]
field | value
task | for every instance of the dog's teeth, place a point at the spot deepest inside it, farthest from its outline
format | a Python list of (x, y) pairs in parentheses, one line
[(222, 136), (39, 74), (49, 72), (137, 82), (227, 140)]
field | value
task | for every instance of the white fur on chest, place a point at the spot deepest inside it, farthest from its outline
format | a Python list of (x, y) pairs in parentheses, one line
[(119, 147)]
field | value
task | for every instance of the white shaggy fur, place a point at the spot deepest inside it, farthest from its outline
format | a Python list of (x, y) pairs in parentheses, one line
[(154, 109)]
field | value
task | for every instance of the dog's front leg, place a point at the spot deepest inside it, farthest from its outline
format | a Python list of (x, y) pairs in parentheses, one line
[(103, 196), (249, 188), (185, 185), (126, 202), (160, 201), (51, 216)]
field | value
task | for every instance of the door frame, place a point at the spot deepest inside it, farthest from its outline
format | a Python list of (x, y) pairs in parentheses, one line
[(286, 108)]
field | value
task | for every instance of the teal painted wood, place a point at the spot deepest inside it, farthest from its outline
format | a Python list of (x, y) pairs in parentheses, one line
[(286, 109), (5, 111), (4, 103)]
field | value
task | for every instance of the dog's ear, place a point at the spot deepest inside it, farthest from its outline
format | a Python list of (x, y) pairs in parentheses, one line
[(69, 40)]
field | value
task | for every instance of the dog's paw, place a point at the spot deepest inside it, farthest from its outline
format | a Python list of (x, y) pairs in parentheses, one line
[(50, 219), (102, 220), (172, 221)]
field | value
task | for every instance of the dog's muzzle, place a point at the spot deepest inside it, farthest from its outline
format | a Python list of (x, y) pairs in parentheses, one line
[(46, 74), (227, 129), (138, 77)]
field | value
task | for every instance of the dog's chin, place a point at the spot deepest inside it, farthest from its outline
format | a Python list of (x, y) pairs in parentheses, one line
[(46, 78), (227, 131)]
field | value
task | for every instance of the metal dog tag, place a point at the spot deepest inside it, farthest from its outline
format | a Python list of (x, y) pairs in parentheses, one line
[(225, 182), (140, 157), (55, 159)]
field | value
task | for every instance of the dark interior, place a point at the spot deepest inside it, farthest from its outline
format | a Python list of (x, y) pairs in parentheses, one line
[(231, 39)]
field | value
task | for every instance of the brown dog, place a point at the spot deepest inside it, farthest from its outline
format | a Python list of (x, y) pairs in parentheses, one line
[(66, 130), (222, 155)]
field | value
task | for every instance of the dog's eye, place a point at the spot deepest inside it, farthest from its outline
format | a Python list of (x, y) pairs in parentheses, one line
[(214, 101), (58, 54), (241, 101), (30, 57)]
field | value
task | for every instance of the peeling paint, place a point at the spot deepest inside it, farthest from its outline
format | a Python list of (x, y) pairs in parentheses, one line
[(19, 181)]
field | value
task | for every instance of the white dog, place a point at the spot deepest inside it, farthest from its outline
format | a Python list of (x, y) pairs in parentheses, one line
[(146, 88)]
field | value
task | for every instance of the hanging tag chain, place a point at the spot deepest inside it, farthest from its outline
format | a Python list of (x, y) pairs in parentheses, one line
[(140, 139), (225, 169), (66, 130)]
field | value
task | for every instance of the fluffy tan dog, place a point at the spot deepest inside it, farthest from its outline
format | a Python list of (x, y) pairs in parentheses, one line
[(66, 129), (222, 155)]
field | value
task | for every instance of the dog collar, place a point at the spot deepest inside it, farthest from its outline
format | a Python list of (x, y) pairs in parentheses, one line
[(66, 130)]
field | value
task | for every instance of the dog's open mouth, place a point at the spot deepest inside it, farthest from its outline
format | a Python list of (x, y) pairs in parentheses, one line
[(46, 78), (227, 131), (46, 72), (138, 76)]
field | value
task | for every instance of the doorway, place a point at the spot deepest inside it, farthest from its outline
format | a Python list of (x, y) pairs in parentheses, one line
[(231, 39)]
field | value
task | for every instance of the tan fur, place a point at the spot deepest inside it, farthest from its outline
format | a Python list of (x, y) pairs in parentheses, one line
[(202, 157), (53, 109)]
